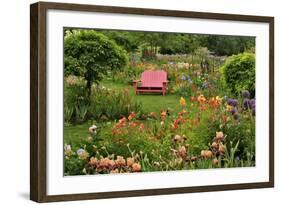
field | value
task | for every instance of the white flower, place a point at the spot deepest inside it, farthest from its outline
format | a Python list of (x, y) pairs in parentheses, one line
[(80, 151), (67, 147), (161, 122), (92, 129), (82, 154)]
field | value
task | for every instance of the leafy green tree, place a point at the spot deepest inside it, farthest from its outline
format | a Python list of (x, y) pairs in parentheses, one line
[(228, 45), (127, 40), (91, 54)]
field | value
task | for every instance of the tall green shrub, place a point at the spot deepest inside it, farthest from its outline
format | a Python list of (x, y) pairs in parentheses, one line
[(91, 54), (239, 73)]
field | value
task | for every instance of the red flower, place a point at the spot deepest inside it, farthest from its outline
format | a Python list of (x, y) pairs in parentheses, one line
[(132, 116)]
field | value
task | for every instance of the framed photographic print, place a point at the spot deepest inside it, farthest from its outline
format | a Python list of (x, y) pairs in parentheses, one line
[(135, 102)]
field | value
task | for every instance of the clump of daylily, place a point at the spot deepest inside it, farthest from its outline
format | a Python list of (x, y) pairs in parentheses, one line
[(215, 102), (217, 145), (109, 165), (217, 149), (117, 129)]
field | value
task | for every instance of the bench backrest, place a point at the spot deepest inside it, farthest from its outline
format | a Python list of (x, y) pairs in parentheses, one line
[(153, 78)]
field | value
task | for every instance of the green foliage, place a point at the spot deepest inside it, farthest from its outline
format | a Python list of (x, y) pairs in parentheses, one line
[(104, 104), (109, 104), (130, 41), (91, 54), (242, 130), (227, 45), (73, 166), (239, 73), (75, 100), (176, 44)]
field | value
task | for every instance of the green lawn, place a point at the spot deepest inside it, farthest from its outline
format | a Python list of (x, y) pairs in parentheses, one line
[(151, 102), (75, 134)]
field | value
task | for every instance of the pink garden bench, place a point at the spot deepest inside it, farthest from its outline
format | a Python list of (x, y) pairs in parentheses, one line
[(151, 82)]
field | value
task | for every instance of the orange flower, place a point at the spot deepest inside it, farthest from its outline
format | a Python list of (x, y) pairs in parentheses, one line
[(93, 161), (182, 152), (163, 115), (130, 161), (111, 163), (153, 114), (206, 154), (136, 167), (120, 161), (132, 116), (214, 103), (201, 99), (133, 124), (104, 162), (122, 120), (193, 99), (177, 122)]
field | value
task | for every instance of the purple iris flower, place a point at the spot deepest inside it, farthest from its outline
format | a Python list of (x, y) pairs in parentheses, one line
[(252, 103), (232, 102), (233, 111)]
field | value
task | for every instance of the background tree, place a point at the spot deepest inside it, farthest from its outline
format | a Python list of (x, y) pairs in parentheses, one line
[(227, 45), (91, 54), (127, 40)]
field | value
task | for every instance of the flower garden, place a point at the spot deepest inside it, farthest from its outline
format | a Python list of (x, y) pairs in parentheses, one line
[(206, 119)]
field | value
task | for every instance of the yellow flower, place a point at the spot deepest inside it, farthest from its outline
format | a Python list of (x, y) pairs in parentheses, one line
[(229, 108), (219, 99), (182, 101)]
